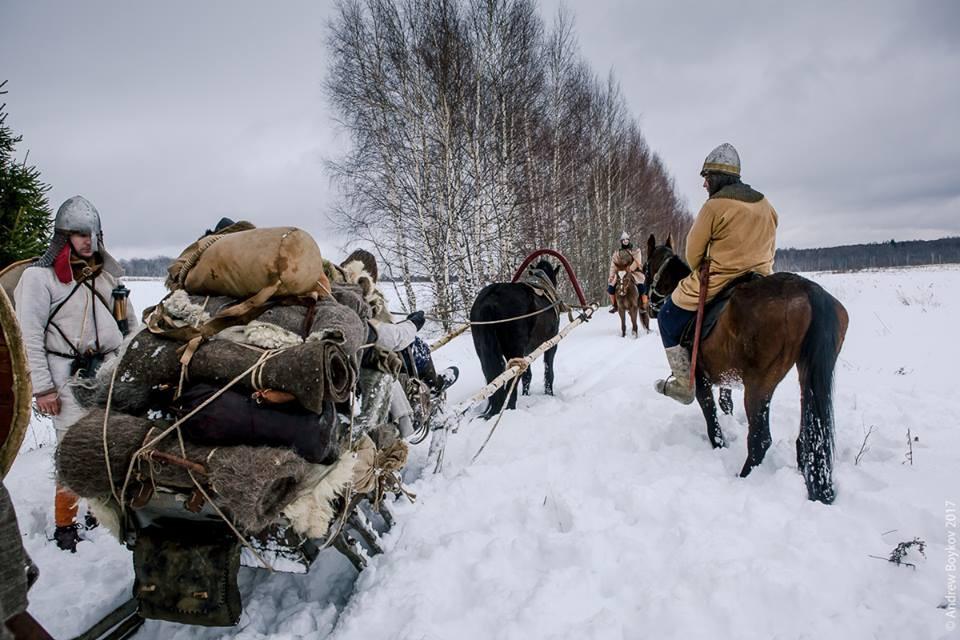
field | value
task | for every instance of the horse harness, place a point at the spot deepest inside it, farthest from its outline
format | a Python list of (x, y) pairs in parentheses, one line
[(541, 284), (656, 298), (88, 280)]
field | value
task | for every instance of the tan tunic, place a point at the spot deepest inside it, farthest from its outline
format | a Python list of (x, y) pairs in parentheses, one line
[(634, 267), (740, 237)]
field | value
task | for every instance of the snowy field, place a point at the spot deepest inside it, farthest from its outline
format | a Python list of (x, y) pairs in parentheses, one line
[(602, 512)]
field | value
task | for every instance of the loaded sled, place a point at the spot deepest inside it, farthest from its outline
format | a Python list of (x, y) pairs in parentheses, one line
[(247, 426)]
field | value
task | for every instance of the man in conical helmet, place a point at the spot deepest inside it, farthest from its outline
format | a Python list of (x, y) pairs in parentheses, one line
[(627, 258), (70, 311), (737, 228)]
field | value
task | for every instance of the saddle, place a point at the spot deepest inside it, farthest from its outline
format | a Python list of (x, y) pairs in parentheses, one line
[(711, 313)]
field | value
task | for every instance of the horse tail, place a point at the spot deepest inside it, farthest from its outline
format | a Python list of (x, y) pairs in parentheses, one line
[(487, 345), (818, 358)]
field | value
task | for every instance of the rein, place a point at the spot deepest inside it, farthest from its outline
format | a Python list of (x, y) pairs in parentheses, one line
[(656, 298)]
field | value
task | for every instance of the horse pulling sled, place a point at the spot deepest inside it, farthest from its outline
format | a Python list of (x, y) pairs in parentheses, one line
[(514, 324)]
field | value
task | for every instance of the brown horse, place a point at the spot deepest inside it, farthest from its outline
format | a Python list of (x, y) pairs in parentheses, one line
[(628, 300), (768, 325)]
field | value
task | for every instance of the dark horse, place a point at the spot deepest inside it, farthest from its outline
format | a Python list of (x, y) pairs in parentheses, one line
[(498, 343), (768, 325)]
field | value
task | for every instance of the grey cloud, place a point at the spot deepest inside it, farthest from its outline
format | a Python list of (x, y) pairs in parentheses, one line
[(170, 115), (843, 112)]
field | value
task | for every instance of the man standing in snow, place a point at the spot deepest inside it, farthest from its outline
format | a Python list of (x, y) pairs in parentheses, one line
[(69, 318), (737, 229), (629, 259)]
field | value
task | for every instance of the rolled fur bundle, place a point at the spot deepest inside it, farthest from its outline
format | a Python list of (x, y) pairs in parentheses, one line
[(252, 484), (314, 372), (145, 368), (331, 321)]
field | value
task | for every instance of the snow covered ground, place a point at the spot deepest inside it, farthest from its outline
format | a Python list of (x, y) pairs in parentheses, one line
[(602, 512)]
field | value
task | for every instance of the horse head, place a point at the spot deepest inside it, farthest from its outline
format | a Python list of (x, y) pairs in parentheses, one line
[(548, 268), (663, 270)]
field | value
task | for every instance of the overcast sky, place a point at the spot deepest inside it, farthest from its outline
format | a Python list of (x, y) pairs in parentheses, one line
[(169, 115)]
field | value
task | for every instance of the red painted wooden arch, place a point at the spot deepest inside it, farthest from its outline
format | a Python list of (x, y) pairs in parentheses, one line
[(566, 265)]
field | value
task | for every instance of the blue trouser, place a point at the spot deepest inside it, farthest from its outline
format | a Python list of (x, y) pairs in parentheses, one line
[(672, 320), (421, 354)]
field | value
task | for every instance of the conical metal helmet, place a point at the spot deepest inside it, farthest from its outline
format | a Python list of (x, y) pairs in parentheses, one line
[(723, 159), (78, 215)]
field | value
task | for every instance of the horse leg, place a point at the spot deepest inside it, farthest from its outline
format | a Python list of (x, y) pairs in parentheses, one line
[(548, 370), (704, 393), (633, 320), (623, 317), (726, 401), (525, 379), (757, 403)]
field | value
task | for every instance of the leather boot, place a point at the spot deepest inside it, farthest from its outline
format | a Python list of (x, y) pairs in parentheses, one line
[(67, 537), (613, 303), (677, 386)]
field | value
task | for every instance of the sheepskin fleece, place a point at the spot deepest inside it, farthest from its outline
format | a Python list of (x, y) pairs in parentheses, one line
[(355, 273), (106, 513), (311, 510), (262, 335), (179, 306)]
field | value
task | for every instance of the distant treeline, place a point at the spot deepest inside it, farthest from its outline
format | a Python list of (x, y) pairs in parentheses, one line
[(146, 267), (870, 256), (845, 258)]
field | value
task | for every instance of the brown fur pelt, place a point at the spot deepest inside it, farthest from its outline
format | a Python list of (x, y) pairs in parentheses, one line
[(351, 295), (252, 484), (365, 258)]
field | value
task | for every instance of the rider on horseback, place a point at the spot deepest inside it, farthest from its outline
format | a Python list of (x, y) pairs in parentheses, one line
[(626, 258), (737, 229)]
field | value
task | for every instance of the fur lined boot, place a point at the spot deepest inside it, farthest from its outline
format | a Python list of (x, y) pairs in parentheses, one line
[(677, 386)]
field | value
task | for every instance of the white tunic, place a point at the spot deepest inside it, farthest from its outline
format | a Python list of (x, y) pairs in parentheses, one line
[(84, 320)]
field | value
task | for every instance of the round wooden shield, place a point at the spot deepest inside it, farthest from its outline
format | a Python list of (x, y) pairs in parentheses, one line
[(10, 276), (15, 391)]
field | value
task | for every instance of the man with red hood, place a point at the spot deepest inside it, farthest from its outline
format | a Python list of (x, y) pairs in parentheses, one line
[(70, 316)]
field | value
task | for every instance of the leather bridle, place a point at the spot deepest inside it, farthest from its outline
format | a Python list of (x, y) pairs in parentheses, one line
[(656, 299)]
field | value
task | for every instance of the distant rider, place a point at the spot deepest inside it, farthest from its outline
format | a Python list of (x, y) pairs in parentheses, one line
[(626, 258)]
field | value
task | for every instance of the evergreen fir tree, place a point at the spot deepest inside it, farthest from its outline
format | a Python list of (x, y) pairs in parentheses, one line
[(25, 217)]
